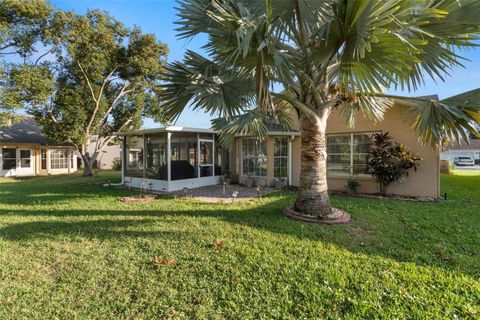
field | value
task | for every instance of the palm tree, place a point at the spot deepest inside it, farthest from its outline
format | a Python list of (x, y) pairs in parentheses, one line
[(268, 57)]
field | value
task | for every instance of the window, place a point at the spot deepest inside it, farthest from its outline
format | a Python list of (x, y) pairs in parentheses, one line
[(58, 159), (348, 153), (25, 160), (183, 163), (134, 157), (157, 156), (280, 157), (254, 157), (44, 159), (9, 156)]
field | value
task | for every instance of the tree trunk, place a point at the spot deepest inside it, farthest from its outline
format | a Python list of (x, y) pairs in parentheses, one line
[(88, 162), (87, 168), (312, 198)]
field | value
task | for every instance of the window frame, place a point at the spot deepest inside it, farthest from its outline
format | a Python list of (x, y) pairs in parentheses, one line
[(25, 160), (9, 159), (255, 157), (351, 154), (59, 163), (43, 159), (282, 157)]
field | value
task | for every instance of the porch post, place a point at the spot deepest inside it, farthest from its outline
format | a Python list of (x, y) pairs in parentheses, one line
[(144, 160), (17, 160), (289, 160), (213, 155), (123, 157), (198, 155), (169, 156), (47, 151), (69, 160)]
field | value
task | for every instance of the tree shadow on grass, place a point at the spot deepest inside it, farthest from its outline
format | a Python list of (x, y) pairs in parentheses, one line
[(102, 229), (51, 190), (365, 234)]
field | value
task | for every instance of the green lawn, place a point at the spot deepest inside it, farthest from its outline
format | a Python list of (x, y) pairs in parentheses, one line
[(466, 172), (70, 249)]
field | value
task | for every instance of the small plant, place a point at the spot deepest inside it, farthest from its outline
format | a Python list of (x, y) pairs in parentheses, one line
[(279, 183), (116, 164), (352, 185), (451, 167), (390, 161)]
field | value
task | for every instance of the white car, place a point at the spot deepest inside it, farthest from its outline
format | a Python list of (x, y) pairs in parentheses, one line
[(464, 161)]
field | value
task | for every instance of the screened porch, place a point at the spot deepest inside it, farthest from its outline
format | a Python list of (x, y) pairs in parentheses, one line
[(173, 158)]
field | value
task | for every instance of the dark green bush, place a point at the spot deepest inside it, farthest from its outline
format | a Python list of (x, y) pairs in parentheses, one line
[(390, 161)]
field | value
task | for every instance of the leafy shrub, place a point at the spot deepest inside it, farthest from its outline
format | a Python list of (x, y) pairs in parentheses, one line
[(352, 185), (446, 166), (116, 165), (390, 161)]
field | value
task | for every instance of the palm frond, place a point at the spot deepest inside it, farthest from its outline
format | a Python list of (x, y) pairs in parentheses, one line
[(205, 84), (438, 121), (253, 123), (372, 107)]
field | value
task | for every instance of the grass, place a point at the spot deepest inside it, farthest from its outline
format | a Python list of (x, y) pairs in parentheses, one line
[(466, 172), (70, 249)]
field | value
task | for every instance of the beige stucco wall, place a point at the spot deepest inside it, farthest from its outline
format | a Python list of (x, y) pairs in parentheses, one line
[(425, 182), (107, 156)]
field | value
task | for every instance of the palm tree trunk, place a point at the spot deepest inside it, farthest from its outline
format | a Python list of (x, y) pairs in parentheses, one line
[(312, 198)]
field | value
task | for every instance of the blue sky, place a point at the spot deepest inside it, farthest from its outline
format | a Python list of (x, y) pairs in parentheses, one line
[(158, 17)]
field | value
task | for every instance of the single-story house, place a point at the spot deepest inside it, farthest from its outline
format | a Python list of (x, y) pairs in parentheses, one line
[(172, 158), (25, 152), (463, 149)]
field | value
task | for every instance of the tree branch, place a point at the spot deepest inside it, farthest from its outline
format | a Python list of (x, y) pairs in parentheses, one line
[(88, 82), (105, 81), (39, 58), (97, 100), (309, 112), (110, 138), (122, 92)]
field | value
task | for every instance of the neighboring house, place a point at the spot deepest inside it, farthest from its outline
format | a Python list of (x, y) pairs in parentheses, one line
[(108, 157), (463, 149), (179, 157), (25, 152)]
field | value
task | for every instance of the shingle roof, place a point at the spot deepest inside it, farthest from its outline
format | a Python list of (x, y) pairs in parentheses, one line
[(466, 99), (23, 130), (464, 145)]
